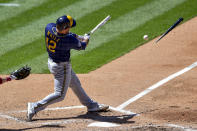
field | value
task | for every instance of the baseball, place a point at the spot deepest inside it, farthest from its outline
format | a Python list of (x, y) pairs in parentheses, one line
[(145, 37)]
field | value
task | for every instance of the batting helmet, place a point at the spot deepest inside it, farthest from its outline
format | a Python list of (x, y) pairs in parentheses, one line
[(64, 22)]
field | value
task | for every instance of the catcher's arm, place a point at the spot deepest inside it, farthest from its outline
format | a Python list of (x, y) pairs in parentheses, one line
[(3, 80)]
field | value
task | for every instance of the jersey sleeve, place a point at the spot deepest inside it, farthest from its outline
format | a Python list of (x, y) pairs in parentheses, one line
[(77, 44)]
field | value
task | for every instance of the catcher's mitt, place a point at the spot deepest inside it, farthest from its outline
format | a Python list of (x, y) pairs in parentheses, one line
[(21, 73)]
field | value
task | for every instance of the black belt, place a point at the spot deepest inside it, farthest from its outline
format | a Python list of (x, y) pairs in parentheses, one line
[(59, 61)]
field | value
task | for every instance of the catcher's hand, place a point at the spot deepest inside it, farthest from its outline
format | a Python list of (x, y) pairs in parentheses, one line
[(21, 73)]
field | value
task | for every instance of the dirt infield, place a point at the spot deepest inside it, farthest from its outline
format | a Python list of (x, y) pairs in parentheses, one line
[(170, 105)]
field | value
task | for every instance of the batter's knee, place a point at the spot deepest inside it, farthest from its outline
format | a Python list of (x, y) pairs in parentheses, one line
[(60, 96)]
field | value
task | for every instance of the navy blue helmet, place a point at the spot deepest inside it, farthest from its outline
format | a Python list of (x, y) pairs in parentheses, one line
[(64, 22)]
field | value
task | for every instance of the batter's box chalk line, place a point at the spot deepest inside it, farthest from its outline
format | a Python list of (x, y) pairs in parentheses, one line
[(181, 127), (105, 124)]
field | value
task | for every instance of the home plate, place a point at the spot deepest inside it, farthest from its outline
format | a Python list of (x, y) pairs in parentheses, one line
[(103, 124)]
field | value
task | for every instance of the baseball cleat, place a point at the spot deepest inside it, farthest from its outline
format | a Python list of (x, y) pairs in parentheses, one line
[(99, 108), (30, 111)]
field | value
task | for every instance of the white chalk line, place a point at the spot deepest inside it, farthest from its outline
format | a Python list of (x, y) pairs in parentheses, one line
[(42, 123), (181, 127), (62, 122), (103, 124), (122, 111), (162, 126), (108, 124), (3, 115), (11, 118), (9, 4), (51, 109), (47, 109), (151, 88), (77, 107)]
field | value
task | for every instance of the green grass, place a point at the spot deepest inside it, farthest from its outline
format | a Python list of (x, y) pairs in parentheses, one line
[(115, 10), (6, 1), (106, 44), (22, 55), (8, 12), (32, 14)]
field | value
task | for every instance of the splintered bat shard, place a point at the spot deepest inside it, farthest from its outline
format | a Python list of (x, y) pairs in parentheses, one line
[(172, 27), (100, 24)]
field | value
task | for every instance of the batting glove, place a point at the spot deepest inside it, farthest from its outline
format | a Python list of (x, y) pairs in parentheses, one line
[(86, 36)]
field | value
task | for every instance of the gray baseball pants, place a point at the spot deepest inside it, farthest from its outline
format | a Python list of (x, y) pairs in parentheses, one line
[(64, 77)]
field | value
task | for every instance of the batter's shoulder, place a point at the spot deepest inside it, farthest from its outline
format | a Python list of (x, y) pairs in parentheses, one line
[(50, 25), (72, 35)]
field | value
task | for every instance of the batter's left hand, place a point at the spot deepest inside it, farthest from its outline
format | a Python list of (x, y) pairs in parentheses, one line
[(86, 36)]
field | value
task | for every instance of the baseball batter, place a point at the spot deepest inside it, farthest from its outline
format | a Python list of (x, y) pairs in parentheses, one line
[(59, 41)]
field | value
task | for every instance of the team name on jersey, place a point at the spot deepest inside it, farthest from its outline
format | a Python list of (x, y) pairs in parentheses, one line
[(53, 37)]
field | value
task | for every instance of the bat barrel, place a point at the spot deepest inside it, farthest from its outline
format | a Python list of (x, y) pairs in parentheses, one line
[(100, 24), (169, 29)]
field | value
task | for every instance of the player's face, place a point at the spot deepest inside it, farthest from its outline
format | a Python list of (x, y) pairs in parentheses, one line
[(66, 31)]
